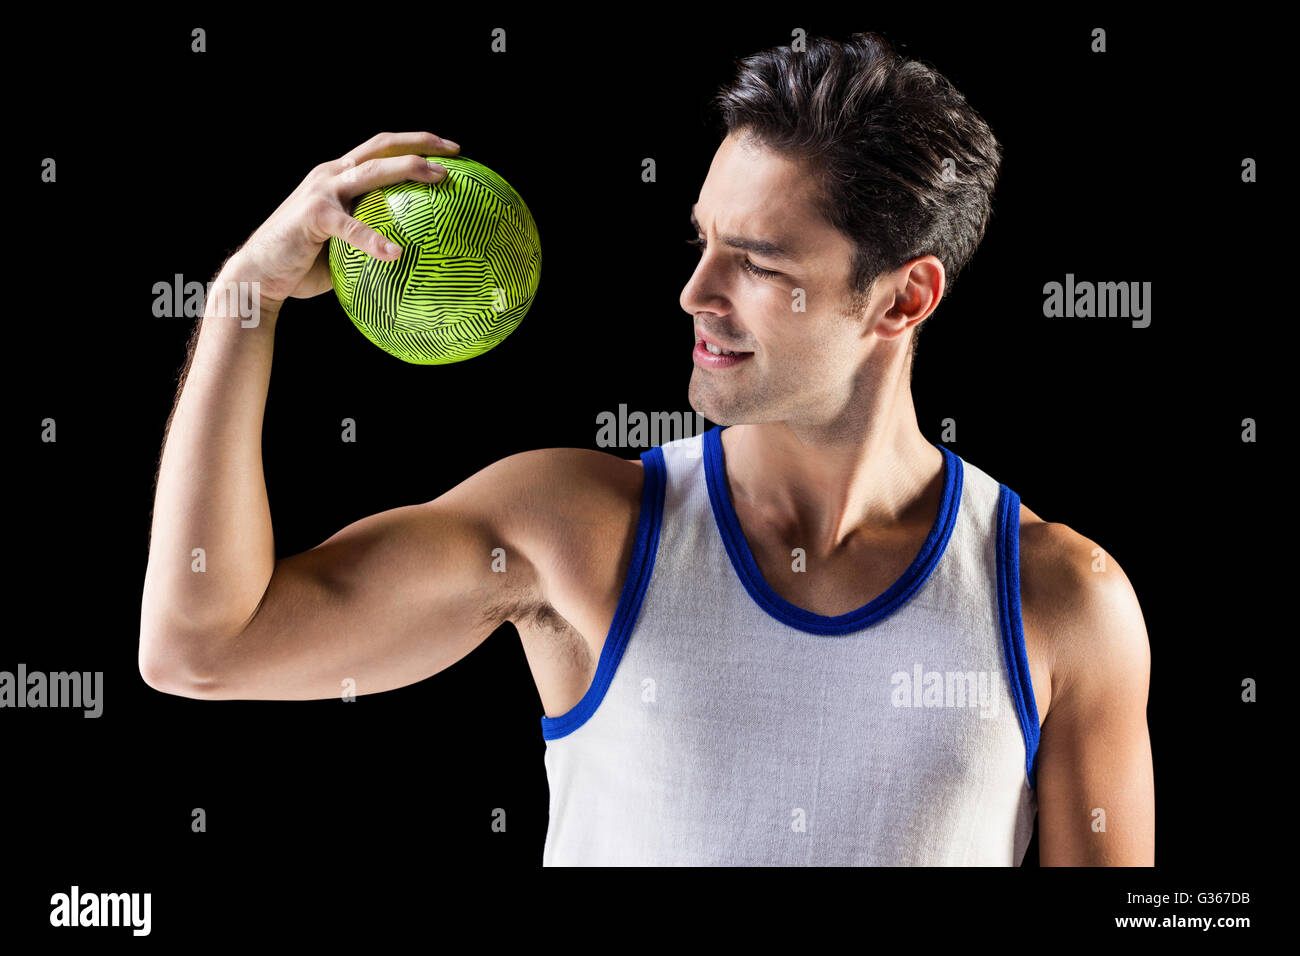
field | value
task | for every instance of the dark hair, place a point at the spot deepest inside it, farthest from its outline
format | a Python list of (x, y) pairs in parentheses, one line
[(875, 129)]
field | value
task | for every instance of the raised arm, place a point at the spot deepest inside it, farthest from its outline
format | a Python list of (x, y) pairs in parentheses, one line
[(211, 557)]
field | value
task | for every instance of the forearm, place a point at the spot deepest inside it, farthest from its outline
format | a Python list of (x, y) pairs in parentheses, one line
[(212, 550)]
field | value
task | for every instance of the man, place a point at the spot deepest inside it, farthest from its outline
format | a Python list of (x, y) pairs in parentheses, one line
[(813, 637)]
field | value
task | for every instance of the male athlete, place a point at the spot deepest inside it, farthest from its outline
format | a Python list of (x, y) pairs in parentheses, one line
[(812, 637)]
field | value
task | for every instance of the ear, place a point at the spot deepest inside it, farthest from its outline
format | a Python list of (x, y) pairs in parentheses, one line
[(915, 289)]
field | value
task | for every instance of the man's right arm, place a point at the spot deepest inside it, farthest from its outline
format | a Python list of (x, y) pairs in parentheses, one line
[(386, 601)]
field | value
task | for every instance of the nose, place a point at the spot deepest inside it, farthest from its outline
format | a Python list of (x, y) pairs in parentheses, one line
[(703, 291)]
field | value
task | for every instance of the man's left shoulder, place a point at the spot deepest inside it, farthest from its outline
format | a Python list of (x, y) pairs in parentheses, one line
[(1078, 603)]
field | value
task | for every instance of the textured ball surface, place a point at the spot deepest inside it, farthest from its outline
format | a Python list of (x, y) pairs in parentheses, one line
[(469, 267)]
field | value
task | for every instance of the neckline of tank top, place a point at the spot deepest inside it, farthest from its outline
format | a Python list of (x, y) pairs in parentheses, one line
[(874, 611)]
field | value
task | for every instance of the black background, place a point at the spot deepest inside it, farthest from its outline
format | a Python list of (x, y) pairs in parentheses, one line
[(1123, 166)]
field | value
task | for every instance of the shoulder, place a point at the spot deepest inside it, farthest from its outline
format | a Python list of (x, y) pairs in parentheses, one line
[(1082, 610), (549, 488), (568, 513), (557, 469)]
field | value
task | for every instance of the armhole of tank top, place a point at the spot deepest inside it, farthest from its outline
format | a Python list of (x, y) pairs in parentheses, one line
[(639, 570), (1012, 625)]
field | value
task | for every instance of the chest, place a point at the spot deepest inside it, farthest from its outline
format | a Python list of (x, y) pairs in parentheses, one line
[(564, 653)]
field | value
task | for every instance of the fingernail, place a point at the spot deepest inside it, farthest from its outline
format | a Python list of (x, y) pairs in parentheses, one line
[(448, 142), (392, 248)]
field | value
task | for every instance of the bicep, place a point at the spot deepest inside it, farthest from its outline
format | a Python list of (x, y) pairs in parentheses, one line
[(388, 601)]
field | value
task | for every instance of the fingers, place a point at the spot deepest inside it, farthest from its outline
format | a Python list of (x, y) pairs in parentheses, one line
[(398, 144), (374, 173), (355, 233), (382, 160)]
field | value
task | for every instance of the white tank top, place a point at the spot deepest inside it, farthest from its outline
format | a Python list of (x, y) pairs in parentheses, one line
[(726, 726)]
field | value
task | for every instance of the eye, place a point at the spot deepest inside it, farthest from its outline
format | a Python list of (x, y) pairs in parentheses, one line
[(748, 266)]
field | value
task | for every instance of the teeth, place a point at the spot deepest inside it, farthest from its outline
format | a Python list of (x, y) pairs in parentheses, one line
[(715, 350)]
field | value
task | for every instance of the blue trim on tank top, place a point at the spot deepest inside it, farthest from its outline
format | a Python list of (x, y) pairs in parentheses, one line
[(639, 571), (776, 606), (1013, 634)]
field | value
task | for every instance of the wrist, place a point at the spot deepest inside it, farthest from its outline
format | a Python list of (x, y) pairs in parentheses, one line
[(236, 292)]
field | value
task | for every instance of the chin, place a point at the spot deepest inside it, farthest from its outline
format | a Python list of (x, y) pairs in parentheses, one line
[(721, 408), (704, 401)]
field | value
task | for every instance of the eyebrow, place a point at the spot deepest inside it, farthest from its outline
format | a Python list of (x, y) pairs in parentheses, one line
[(762, 247)]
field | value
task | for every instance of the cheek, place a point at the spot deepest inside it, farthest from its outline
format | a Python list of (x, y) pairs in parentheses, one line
[(804, 340), (810, 341), (800, 361)]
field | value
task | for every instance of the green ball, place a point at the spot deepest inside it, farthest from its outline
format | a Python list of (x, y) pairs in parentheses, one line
[(468, 270)]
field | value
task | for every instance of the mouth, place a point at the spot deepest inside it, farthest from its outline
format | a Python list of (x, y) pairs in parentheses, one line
[(712, 355)]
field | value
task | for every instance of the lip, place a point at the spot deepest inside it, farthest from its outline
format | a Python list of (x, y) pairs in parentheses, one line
[(706, 359)]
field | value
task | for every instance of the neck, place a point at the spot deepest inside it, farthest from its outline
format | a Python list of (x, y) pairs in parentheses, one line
[(863, 472)]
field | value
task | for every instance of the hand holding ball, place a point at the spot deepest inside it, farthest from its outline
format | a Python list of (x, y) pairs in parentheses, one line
[(467, 275)]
